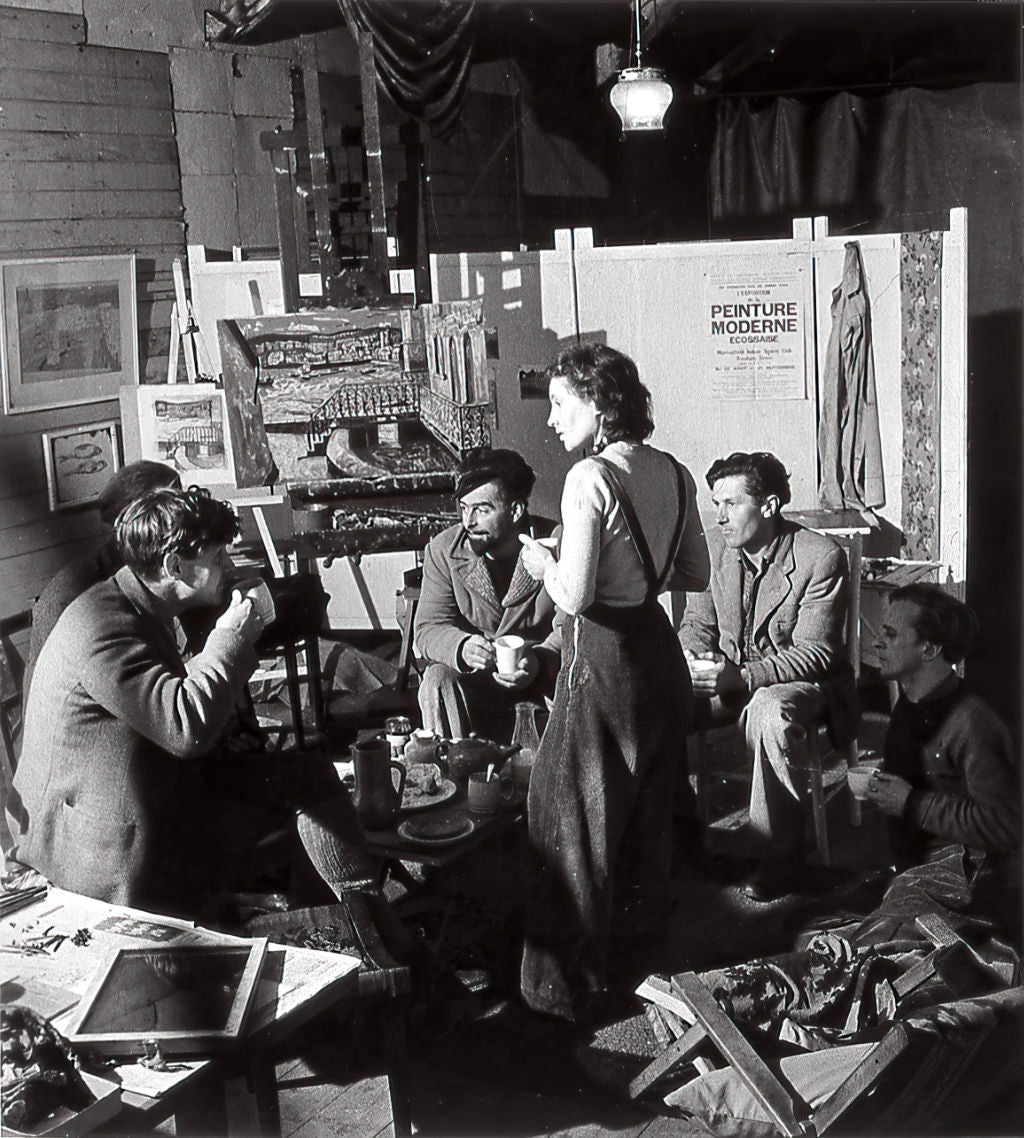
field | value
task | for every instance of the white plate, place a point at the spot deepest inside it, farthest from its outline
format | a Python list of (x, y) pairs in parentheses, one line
[(446, 831)]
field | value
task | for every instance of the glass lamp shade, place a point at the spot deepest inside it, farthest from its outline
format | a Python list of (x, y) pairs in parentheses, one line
[(641, 97)]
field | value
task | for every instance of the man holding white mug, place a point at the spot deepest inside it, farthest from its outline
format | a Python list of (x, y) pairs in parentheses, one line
[(483, 623), (950, 773)]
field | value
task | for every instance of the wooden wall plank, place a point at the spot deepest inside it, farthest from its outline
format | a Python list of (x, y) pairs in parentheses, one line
[(25, 575), (91, 168), (51, 530), (21, 508), (48, 27), (68, 59), (83, 117), (25, 146), (18, 177), (13, 426), (117, 233), (92, 90), (54, 205)]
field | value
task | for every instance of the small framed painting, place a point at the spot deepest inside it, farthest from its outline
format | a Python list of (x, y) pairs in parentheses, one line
[(184, 425), (79, 462), (69, 332)]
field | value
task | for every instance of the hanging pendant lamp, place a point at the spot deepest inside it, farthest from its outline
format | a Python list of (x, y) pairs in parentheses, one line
[(642, 95)]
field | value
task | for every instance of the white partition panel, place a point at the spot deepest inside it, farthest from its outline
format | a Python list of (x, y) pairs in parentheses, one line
[(953, 385), (654, 303)]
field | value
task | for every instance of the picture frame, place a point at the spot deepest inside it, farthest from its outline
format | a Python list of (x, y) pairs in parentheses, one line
[(79, 462), (192, 999), (184, 425), (69, 331)]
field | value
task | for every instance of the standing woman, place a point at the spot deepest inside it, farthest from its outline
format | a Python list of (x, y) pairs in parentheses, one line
[(600, 799)]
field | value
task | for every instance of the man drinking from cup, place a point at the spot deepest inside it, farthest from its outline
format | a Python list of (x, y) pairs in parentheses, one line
[(483, 623), (950, 775)]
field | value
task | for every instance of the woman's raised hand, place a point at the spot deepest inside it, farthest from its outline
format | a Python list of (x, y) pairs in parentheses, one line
[(536, 556)]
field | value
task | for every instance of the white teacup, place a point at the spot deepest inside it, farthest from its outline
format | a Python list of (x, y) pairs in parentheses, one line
[(508, 654), (262, 601), (702, 669), (858, 778)]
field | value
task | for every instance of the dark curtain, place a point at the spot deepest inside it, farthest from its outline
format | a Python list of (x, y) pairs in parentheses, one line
[(880, 163), (423, 52), (897, 162)]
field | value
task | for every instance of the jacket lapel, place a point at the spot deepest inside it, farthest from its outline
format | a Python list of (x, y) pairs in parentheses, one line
[(776, 585), (522, 587), (473, 571)]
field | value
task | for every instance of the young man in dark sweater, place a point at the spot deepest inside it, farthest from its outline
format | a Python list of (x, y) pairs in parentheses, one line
[(950, 781)]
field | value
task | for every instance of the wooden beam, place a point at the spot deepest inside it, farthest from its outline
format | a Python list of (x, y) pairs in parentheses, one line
[(283, 164), (328, 254), (372, 146)]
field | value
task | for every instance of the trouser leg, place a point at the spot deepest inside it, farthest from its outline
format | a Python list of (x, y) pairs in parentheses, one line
[(775, 723), (455, 704), (442, 701)]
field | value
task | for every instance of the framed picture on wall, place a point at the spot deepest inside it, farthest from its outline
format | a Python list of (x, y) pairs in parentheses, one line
[(69, 332), (79, 462), (184, 425)]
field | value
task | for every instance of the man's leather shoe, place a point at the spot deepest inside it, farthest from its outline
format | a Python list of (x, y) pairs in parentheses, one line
[(770, 881)]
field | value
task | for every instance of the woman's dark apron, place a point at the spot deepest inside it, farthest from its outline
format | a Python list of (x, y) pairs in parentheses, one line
[(600, 799)]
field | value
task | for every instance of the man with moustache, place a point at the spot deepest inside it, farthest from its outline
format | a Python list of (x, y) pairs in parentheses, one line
[(475, 589)]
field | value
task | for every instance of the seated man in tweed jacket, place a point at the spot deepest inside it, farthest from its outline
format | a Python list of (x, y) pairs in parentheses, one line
[(123, 791), (773, 620)]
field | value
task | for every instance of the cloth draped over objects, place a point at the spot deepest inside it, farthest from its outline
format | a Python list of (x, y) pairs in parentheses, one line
[(423, 53), (849, 441)]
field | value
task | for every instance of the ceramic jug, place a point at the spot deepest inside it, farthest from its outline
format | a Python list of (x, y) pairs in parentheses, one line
[(421, 748), (378, 800)]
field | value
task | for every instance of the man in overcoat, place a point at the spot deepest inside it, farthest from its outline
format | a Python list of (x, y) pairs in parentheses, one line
[(122, 791), (476, 589), (773, 621)]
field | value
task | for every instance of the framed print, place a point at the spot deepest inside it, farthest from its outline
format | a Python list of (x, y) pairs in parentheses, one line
[(184, 425), (79, 462), (69, 333), (191, 1000)]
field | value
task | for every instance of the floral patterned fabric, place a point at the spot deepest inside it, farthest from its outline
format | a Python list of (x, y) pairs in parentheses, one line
[(920, 266)]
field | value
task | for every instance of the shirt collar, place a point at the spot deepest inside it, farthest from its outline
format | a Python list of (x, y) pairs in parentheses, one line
[(767, 557)]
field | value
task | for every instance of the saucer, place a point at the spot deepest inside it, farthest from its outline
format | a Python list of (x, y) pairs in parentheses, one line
[(436, 831)]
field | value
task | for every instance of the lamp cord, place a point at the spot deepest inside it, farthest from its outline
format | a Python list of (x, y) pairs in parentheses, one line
[(636, 9)]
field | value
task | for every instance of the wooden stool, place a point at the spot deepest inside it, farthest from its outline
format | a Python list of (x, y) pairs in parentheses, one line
[(384, 984)]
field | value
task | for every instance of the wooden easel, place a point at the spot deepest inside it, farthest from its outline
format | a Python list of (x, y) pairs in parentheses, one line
[(186, 335)]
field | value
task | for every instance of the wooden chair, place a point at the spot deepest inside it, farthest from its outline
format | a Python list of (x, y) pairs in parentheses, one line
[(12, 676), (384, 985), (823, 782), (407, 601), (301, 604)]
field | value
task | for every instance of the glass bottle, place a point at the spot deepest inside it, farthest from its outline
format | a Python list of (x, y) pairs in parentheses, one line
[(527, 739)]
